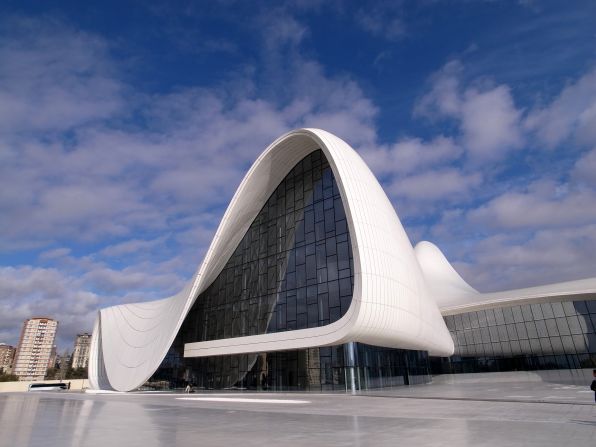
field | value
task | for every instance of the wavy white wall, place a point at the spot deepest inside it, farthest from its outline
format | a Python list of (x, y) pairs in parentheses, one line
[(391, 304)]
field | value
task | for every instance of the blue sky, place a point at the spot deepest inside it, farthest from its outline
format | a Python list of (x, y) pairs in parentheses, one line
[(125, 128)]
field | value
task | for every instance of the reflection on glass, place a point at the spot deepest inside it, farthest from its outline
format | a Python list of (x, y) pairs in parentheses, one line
[(344, 367), (546, 335), (270, 282)]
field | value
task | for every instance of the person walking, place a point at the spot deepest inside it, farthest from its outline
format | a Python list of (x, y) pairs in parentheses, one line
[(187, 389), (593, 386)]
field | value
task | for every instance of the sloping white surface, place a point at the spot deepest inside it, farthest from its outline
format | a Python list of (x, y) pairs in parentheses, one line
[(453, 295), (446, 286), (577, 290), (391, 304)]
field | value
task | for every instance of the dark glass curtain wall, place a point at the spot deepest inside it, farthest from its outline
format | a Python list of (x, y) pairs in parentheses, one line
[(557, 335), (293, 268), (353, 366)]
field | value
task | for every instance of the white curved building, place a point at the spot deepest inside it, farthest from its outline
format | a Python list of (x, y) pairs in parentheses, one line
[(309, 282)]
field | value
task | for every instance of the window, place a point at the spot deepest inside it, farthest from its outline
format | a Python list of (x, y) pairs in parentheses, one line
[(544, 335)]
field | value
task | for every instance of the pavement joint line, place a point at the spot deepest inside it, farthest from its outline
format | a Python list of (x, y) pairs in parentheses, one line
[(472, 399), (244, 400)]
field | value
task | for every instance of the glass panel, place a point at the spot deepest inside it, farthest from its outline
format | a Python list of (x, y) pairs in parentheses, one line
[(580, 307), (527, 312), (568, 308), (585, 325), (500, 319), (458, 323), (476, 336), (449, 321), (508, 314), (343, 258), (532, 331), (511, 333), (558, 309), (482, 320), (494, 333), (502, 333), (276, 256), (490, 317), (547, 310), (551, 326), (535, 346), (557, 345), (517, 314), (466, 321), (568, 345), (506, 348), (525, 347), (537, 312), (541, 327), (563, 326), (521, 330), (545, 345), (580, 342), (474, 320), (515, 348)]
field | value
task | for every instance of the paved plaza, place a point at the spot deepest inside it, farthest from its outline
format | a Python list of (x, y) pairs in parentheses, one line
[(504, 413)]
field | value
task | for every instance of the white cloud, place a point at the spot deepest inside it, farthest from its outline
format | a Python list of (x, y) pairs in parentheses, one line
[(143, 276), (489, 121), (133, 246), (383, 20), (411, 154), (585, 168), (432, 185), (444, 97), (280, 28), (27, 291), (84, 174), (55, 253), (537, 234), (91, 178), (73, 293), (543, 204), (546, 256), (572, 114), (110, 182), (53, 77)]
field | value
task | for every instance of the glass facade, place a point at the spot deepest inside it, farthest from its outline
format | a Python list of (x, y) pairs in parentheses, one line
[(292, 270), (556, 335), (353, 366)]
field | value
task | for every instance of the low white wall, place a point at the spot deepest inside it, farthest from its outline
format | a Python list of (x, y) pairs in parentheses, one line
[(75, 384), (563, 376)]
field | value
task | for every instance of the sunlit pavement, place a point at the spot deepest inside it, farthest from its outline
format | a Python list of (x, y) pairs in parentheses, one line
[(501, 414)]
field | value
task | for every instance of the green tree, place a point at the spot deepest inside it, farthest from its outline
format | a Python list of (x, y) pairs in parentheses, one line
[(7, 377), (76, 373)]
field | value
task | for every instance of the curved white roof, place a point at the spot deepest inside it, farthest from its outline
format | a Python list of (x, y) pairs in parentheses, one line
[(391, 305), (446, 285), (397, 290)]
